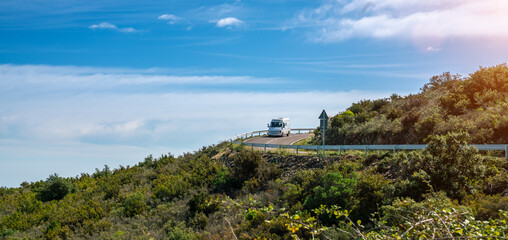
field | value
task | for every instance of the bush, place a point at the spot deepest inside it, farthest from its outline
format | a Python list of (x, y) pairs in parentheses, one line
[(487, 207), (447, 164), (369, 195), (55, 230), (333, 190), (179, 232), (245, 165), (452, 165), (168, 187), (202, 203), (134, 204), (55, 188)]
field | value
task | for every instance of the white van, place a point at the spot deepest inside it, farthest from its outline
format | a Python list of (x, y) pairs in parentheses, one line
[(279, 127)]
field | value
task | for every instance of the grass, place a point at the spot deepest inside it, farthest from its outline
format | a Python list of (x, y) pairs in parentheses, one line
[(305, 141)]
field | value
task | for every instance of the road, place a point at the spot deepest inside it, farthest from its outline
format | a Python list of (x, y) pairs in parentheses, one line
[(293, 138)]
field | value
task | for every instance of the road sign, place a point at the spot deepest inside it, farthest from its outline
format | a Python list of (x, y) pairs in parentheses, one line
[(323, 123), (323, 115)]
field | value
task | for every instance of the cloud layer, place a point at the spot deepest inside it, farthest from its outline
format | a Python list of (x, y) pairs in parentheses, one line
[(430, 21)]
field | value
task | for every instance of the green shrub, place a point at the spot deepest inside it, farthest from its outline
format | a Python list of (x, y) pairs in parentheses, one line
[(179, 232), (4, 233), (55, 188), (369, 195), (447, 164), (201, 202), (487, 206), (255, 217), (55, 230), (222, 181), (168, 187), (134, 204), (333, 190), (435, 218), (245, 165)]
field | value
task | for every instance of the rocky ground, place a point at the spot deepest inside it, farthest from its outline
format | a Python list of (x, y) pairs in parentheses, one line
[(290, 164)]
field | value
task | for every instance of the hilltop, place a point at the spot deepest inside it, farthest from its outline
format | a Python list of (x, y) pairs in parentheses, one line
[(224, 191), (476, 104)]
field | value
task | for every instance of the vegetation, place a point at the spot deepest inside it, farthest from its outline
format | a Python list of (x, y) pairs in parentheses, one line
[(449, 190), (476, 104)]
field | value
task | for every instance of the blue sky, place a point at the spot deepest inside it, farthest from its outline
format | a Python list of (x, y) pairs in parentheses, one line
[(85, 84)]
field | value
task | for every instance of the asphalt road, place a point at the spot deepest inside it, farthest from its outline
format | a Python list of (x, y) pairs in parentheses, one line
[(293, 138)]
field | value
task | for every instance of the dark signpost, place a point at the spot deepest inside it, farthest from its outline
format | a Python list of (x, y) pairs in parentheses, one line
[(323, 124)]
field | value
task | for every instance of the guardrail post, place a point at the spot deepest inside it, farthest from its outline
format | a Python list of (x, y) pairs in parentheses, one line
[(506, 151), (265, 147), (296, 150), (252, 147), (365, 150), (394, 149), (317, 150)]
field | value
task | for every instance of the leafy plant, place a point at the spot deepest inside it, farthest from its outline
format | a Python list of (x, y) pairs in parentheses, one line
[(55, 188)]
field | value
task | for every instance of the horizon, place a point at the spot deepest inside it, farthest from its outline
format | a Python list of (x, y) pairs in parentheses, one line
[(88, 84)]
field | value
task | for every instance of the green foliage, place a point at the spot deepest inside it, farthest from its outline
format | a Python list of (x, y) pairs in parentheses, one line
[(167, 187), (255, 217), (453, 166), (202, 203), (447, 164), (222, 180), (245, 165), (55, 230), (55, 188), (370, 193), (333, 190), (476, 104), (134, 204), (179, 232), (487, 207), (434, 218), (4, 233)]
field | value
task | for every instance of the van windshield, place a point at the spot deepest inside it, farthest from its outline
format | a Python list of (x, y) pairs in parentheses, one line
[(275, 124)]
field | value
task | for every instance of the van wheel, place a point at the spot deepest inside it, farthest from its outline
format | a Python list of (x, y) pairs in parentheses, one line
[(287, 135)]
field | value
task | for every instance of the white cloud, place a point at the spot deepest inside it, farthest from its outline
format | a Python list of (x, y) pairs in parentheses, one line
[(43, 78), (109, 26), (103, 25), (127, 30), (424, 22), (432, 49), (229, 22), (172, 19)]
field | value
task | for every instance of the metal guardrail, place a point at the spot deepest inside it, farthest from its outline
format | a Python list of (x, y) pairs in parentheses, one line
[(265, 132), (340, 148)]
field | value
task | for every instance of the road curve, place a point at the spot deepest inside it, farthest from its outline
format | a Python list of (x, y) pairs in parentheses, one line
[(293, 138)]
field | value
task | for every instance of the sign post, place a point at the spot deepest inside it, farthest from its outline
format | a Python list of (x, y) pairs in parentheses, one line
[(324, 124)]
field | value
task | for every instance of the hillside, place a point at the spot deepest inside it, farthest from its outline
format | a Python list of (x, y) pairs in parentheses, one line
[(449, 190), (476, 104), (223, 192)]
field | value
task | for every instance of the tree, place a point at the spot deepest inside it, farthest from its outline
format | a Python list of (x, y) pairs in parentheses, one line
[(55, 188)]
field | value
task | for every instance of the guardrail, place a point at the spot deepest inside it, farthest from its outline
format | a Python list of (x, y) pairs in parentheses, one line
[(340, 148), (265, 132)]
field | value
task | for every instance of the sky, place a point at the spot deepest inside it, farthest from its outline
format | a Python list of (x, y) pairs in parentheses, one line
[(85, 84)]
